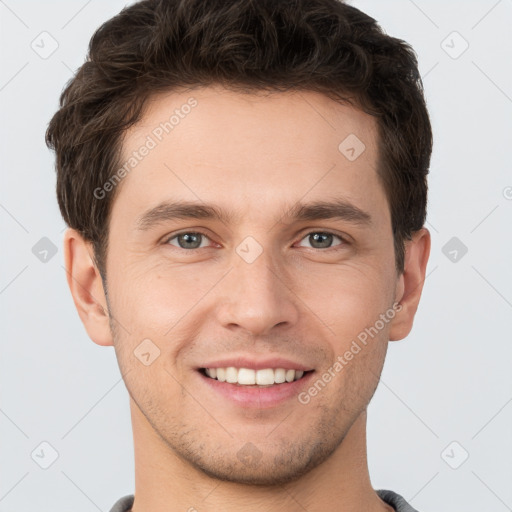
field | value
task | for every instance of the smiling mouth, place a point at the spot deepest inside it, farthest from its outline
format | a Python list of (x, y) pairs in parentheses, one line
[(247, 377)]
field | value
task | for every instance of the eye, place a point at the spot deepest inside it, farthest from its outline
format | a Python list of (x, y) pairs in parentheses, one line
[(195, 240), (321, 240), (188, 240)]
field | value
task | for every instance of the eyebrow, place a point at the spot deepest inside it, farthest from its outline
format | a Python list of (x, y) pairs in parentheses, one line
[(318, 210)]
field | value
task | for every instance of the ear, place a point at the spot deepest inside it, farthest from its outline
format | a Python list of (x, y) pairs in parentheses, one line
[(410, 283), (84, 281)]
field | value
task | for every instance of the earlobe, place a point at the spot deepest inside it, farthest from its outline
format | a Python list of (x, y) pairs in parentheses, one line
[(410, 284), (85, 284)]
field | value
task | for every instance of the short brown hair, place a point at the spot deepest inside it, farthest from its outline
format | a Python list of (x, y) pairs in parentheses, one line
[(246, 45)]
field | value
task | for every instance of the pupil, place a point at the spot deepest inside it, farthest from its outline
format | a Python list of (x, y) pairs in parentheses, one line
[(190, 240), (322, 239)]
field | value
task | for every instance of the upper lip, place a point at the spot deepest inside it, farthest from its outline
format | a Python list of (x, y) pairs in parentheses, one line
[(256, 364)]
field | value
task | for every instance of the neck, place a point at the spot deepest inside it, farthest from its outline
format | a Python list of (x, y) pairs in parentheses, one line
[(166, 483)]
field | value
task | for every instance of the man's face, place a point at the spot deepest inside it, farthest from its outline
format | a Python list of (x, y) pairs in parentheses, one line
[(262, 283)]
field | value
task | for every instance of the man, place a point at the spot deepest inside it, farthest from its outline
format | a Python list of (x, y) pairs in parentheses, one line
[(245, 188)]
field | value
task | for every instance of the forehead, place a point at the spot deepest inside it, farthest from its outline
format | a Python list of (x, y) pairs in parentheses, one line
[(249, 150)]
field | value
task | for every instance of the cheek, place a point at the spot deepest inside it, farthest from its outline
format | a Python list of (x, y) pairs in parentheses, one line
[(347, 298), (154, 296), (155, 301)]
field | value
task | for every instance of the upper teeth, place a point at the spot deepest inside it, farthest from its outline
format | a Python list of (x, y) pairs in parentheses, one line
[(247, 377)]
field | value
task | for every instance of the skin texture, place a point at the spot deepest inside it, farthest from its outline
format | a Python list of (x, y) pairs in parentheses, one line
[(255, 156)]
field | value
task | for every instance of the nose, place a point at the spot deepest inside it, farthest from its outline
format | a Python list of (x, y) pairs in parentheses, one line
[(257, 298)]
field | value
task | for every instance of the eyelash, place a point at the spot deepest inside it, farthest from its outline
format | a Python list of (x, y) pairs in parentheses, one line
[(342, 239)]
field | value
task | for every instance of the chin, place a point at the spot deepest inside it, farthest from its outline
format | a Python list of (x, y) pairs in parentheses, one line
[(250, 467)]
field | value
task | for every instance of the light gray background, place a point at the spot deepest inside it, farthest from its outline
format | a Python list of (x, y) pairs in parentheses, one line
[(450, 380)]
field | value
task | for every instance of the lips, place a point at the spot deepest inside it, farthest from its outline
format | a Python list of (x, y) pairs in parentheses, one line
[(254, 396), (255, 364)]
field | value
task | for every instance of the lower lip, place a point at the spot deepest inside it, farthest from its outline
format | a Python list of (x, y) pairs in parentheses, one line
[(258, 397)]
